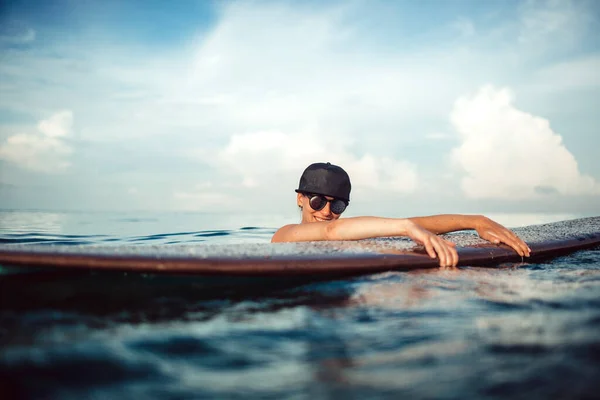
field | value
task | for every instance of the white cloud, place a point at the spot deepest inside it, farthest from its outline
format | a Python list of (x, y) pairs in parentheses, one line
[(58, 125), (35, 152), (270, 87), (44, 151), (262, 159), (510, 154), (307, 68)]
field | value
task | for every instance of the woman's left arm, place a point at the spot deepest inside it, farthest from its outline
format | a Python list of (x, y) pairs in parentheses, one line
[(485, 227)]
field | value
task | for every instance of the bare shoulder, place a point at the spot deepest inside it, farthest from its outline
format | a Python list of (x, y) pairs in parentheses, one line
[(283, 233), (313, 231)]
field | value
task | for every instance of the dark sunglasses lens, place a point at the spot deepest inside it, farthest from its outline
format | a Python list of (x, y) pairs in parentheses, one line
[(338, 206), (317, 203)]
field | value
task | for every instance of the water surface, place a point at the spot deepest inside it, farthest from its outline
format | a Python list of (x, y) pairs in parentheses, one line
[(521, 332)]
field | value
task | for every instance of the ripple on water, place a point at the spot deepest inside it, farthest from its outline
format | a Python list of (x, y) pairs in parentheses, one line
[(530, 332), (79, 367)]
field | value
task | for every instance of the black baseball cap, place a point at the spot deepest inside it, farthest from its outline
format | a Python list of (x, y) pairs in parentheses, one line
[(325, 179)]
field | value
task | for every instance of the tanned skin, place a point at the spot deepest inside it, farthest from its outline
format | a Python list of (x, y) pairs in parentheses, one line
[(325, 225)]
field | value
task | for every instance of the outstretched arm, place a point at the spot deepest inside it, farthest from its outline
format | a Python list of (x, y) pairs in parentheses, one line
[(369, 227), (485, 227)]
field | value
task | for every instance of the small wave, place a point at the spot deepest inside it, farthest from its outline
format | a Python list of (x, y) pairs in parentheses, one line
[(146, 238), (54, 241), (530, 348), (213, 233)]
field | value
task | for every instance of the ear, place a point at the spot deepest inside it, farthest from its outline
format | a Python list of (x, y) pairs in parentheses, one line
[(299, 199)]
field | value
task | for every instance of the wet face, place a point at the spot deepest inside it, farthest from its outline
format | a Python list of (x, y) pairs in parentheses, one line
[(311, 215)]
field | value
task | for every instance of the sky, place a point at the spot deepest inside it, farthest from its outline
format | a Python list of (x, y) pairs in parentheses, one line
[(218, 106)]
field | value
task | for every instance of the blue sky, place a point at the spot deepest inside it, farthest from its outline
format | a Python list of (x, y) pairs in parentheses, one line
[(431, 106)]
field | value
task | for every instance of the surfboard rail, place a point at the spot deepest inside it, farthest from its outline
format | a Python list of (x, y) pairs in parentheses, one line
[(376, 258), (329, 258)]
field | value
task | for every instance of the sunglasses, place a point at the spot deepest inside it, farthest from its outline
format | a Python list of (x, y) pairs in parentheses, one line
[(318, 202)]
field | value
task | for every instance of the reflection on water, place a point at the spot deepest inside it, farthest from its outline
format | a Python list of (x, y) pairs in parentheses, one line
[(421, 334), (31, 221), (148, 223), (129, 228), (527, 332)]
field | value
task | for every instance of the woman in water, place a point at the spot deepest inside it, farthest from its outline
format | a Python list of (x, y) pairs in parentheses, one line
[(324, 194)]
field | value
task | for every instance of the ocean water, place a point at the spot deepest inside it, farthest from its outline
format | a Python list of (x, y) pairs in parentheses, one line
[(517, 331)]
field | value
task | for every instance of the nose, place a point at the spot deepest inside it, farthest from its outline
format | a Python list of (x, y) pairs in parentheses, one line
[(327, 209)]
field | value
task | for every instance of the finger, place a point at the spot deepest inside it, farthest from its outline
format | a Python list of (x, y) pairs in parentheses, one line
[(511, 239), (523, 245), (439, 254), (519, 242), (515, 244), (447, 253), (445, 250), (508, 240), (524, 248), (454, 254), (442, 251), (429, 248), (521, 250)]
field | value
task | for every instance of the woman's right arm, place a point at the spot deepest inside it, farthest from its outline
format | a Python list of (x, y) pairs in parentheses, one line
[(370, 227)]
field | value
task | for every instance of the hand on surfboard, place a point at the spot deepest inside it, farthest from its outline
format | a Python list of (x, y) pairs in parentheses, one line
[(497, 234), (435, 246)]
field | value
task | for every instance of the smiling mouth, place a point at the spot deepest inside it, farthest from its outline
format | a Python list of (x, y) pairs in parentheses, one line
[(323, 219)]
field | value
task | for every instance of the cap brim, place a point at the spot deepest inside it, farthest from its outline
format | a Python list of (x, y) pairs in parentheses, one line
[(322, 194)]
